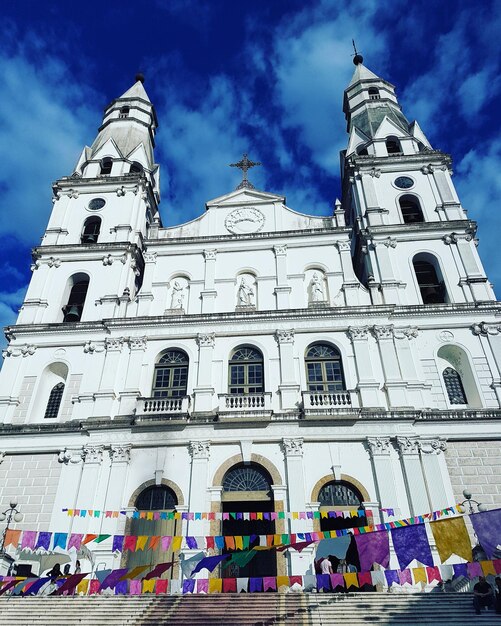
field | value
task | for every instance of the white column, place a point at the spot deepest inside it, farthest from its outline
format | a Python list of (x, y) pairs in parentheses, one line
[(200, 454), (203, 393), (394, 385), (433, 462), (351, 284), (145, 295), (388, 272), (490, 339), (374, 213), (131, 392), (209, 292), (93, 458), (408, 448), (380, 450), (418, 390), (288, 387), (368, 386), (120, 459), (282, 290), (293, 453), (107, 395), (67, 488)]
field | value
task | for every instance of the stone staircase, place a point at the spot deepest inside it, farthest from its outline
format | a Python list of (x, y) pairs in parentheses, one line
[(260, 609)]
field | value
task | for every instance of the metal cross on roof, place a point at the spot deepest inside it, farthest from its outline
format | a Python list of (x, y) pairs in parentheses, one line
[(245, 164)]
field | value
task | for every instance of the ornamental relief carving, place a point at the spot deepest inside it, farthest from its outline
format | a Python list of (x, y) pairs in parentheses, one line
[(484, 328), (114, 344), (383, 332), (199, 449), (93, 454), (408, 445), (358, 333), (280, 250), (379, 446), (120, 453), (69, 455), (206, 340), (138, 343), (293, 447), (210, 255), (244, 220), (432, 446), (284, 336)]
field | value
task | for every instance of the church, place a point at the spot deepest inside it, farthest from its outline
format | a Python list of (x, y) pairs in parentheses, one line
[(255, 360)]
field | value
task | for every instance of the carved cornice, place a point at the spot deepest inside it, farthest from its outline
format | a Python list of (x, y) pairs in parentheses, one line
[(483, 328), (358, 333), (120, 453), (25, 350), (138, 343), (199, 449), (114, 344), (383, 332), (408, 445), (70, 455), (150, 257), (210, 254), (93, 454), (206, 340), (409, 332), (432, 446), (280, 250), (293, 447)]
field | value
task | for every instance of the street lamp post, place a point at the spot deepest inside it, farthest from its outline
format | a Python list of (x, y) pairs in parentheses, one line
[(470, 502), (9, 514)]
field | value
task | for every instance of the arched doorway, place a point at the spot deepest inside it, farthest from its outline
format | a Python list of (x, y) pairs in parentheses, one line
[(153, 498), (247, 489), (342, 495)]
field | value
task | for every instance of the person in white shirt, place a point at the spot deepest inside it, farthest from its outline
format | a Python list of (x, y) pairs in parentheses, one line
[(326, 566)]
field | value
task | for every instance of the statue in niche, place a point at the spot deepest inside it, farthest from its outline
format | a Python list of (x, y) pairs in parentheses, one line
[(177, 298), (317, 289), (245, 294)]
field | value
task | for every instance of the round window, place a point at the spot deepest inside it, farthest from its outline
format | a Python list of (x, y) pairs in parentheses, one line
[(404, 182), (96, 203)]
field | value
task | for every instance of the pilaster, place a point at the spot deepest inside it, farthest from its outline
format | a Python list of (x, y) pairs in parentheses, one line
[(408, 448), (435, 472), (380, 451), (107, 394), (145, 295), (200, 455), (120, 459), (131, 392), (203, 393), (288, 388), (394, 386), (209, 292), (367, 386), (282, 290), (88, 487)]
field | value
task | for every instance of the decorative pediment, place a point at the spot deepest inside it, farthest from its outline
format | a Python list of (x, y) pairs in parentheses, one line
[(357, 137), (241, 197), (108, 149), (389, 127), (139, 154), (419, 135)]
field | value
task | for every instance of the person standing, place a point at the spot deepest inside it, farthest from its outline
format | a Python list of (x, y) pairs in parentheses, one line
[(483, 595)]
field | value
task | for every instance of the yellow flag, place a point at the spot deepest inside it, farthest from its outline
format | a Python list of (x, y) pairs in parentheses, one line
[(239, 543), (488, 568), (176, 544), (295, 515), (419, 575), (351, 580), (83, 587), (215, 585), (149, 515), (141, 542), (277, 540), (283, 581), (451, 537), (149, 585), (259, 516), (134, 572)]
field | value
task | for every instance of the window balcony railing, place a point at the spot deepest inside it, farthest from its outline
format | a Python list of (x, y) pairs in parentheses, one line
[(251, 403), (170, 408), (329, 401)]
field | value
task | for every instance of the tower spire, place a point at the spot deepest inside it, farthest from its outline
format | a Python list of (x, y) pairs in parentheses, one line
[(358, 59)]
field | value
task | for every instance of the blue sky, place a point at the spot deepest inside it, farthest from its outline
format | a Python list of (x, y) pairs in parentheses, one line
[(227, 77)]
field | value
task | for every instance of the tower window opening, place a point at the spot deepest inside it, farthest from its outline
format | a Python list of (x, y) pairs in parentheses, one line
[(432, 289), (362, 151), (374, 94), (106, 165), (393, 145), (73, 310), (124, 112), (91, 229), (54, 401), (136, 168), (454, 386), (246, 371), (411, 211)]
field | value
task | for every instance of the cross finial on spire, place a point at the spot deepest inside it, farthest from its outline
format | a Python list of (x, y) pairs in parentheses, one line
[(357, 58), (245, 165)]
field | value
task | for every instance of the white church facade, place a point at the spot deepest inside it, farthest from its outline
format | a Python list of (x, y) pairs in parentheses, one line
[(255, 358)]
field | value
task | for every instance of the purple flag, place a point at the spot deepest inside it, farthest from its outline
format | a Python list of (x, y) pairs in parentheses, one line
[(157, 571), (405, 576), (487, 527), (460, 569), (112, 579), (210, 562), (392, 577), (255, 584), (29, 538), (474, 569), (75, 541), (323, 582), (411, 542), (373, 548), (43, 541), (270, 582), (70, 584), (337, 580), (118, 543), (191, 543), (189, 585), (121, 587)]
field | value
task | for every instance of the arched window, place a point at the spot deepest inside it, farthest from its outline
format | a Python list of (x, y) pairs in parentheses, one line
[(124, 112), (374, 93), (91, 229), (249, 477), (156, 498), (393, 145), (54, 402), (171, 375), (454, 386), (411, 210), (106, 165), (246, 371), (136, 168), (340, 493), (324, 369), (431, 287), (73, 309)]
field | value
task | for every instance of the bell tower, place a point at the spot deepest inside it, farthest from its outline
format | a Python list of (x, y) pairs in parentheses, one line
[(90, 263), (414, 241)]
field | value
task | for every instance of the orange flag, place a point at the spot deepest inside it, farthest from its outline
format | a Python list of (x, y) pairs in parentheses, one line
[(12, 537), (88, 538), (154, 541)]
